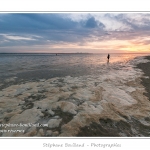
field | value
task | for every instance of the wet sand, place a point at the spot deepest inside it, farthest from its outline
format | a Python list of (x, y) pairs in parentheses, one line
[(145, 67), (107, 105)]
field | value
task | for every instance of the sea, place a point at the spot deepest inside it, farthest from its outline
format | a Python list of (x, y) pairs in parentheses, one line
[(85, 88), (39, 66), (19, 67)]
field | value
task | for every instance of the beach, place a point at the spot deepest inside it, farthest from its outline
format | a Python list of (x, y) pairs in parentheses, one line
[(146, 81), (107, 100)]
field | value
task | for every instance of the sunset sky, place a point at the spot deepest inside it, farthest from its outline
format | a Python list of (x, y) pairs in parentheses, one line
[(75, 32)]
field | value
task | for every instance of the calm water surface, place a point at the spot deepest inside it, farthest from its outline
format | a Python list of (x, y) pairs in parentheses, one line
[(32, 66)]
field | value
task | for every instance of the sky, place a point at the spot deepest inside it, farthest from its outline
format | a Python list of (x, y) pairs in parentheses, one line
[(74, 32)]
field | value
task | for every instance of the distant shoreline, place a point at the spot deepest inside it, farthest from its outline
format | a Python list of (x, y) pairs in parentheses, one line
[(73, 53)]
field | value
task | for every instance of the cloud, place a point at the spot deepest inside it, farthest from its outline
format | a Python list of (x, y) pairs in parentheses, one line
[(91, 23), (135, 22), (47, 30), (15, 37), (35, 21), (52, 27)]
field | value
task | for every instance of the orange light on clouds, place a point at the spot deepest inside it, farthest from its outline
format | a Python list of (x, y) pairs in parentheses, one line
[(102, 46)]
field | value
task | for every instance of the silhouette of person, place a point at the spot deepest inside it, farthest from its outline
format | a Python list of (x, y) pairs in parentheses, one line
[(108, 56)]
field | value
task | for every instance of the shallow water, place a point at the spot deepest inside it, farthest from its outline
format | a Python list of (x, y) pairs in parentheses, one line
[(78, 64)]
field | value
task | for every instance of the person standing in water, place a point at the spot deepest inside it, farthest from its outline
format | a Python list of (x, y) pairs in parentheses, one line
[(108, 56)]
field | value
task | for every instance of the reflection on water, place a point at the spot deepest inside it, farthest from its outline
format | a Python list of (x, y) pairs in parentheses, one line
[(15, 63)]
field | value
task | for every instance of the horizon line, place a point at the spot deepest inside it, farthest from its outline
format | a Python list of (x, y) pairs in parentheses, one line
[(73, 53)]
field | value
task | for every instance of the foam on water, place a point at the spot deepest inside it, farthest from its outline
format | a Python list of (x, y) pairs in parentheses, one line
[(114, 93)]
